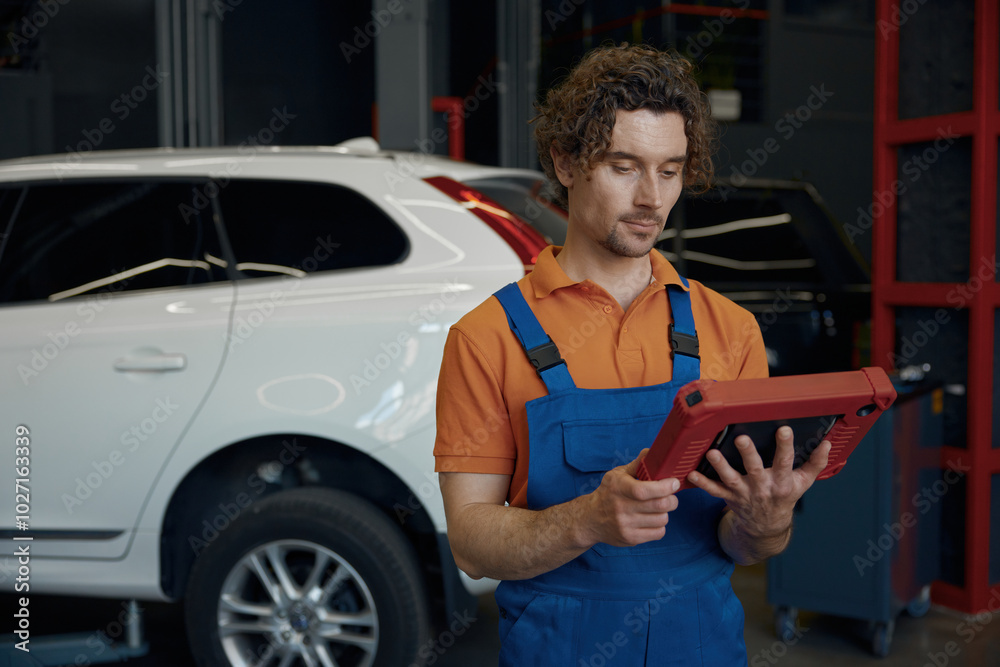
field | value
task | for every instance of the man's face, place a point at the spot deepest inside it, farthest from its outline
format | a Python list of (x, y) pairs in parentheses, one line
[(623, 205)]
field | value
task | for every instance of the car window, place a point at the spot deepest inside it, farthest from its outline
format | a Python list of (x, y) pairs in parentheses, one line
[(70, 239), (10, 199), (283, 227)]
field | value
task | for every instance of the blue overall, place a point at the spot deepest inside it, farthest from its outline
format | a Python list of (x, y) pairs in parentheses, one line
[(667, 602)]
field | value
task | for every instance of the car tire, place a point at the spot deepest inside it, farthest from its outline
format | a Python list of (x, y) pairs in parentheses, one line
[(302, 573)]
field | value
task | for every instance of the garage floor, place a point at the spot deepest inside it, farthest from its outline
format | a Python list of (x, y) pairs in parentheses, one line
[(824, 640)]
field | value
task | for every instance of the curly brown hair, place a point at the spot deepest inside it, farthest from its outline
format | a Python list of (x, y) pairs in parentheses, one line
[(578, 114)]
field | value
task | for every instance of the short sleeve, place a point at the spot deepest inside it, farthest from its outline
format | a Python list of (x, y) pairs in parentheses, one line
[(732, 345), (473, 426), (755, 359)]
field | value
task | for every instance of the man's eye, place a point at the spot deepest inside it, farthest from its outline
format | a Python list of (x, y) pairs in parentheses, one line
[(622, 170)]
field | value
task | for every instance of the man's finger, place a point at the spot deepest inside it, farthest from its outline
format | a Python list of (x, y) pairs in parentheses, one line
[(752, 462), (729, 476), (817, 460), (632, 467), (651, 490), (710, 486), (784, 453)]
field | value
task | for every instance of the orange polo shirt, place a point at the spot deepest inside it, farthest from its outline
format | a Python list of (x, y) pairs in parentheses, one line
[(486, 378)]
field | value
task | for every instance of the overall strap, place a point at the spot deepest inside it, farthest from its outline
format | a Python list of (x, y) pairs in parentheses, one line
[(683, 336), (542, 352)]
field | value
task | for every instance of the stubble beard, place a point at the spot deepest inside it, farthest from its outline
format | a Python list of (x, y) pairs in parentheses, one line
[(614, 242)]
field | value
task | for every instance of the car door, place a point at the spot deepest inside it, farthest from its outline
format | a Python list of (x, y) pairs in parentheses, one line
[(114, 310)]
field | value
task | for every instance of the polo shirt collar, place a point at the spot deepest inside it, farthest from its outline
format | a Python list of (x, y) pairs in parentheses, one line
[(548, 276), (664, 272)]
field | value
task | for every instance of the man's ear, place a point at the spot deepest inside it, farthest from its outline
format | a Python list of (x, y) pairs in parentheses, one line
[(563, 164)]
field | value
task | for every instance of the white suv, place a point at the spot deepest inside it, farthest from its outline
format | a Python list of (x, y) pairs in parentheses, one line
[(220, 367)]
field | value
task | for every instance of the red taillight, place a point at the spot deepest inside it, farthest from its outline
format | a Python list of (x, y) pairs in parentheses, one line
[(518, 234)]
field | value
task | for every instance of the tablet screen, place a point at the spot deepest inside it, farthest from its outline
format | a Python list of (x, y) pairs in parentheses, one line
[(809, 433)]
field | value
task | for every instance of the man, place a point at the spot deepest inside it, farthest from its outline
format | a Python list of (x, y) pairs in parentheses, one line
[(538, 444)]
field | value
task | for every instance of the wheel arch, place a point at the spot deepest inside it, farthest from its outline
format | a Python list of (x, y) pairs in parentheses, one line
[(216, 491)]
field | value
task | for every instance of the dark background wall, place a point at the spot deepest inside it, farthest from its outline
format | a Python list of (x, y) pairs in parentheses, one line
[(56, 88), (288, 54), (292, 55), (805, 71), (832, 149)]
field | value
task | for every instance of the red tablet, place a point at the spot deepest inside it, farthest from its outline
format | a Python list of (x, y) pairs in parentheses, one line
[(839, 407)]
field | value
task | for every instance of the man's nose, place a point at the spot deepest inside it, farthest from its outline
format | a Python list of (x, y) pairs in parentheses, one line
[(647, 192)]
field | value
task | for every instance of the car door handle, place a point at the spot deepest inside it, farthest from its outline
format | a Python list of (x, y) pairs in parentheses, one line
[(153, 363)]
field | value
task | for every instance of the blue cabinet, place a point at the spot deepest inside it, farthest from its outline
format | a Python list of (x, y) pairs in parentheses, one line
[(865, 542)]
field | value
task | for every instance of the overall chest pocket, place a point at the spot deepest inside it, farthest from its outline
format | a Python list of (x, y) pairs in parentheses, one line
[(593, 447)]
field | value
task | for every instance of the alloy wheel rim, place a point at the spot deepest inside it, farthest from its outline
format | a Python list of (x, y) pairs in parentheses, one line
[(294, 602)]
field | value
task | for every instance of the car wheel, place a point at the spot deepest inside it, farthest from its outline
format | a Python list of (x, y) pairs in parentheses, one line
[(309, 576)]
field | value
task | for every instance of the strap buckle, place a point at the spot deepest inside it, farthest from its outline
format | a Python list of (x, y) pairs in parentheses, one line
[(682, 343), (545, 356)]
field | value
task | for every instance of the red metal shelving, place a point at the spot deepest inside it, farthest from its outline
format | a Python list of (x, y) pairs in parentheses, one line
[(982, 125)]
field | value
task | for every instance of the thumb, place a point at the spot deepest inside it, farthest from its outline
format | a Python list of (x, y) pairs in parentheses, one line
[(632, 467)]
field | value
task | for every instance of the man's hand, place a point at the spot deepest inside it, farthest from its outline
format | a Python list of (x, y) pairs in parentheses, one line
[(761, 502), (489, 539), (626, 511)]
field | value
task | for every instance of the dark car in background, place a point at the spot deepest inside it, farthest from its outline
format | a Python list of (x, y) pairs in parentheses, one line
[(773, 247), (769, 245)]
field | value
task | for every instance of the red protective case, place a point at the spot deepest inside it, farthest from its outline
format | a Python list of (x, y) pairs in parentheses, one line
[(710, 414)]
